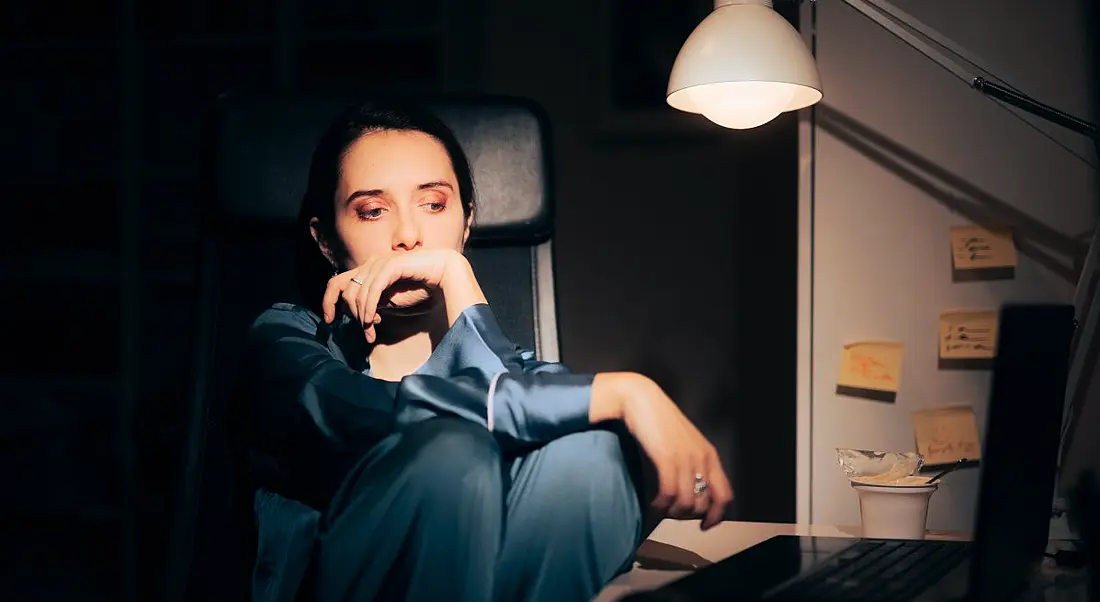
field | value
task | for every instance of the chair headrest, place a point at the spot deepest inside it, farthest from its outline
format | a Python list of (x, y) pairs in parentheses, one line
[(264, 144)]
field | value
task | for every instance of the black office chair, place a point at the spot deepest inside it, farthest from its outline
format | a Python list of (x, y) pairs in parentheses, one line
[(260, 151)]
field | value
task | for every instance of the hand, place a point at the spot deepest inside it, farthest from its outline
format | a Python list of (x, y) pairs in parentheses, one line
[(361, 288), (678, 450), (427, 267)]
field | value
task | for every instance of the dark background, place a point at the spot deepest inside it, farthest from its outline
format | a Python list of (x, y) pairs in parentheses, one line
[(676, 249)]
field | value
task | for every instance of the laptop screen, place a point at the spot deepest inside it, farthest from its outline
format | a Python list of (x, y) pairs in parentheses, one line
[(1020, 452)]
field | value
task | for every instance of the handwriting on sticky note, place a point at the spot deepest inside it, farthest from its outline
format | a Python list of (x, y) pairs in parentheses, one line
[(946, 435), (874, 365), (976, 248), (968, 334)]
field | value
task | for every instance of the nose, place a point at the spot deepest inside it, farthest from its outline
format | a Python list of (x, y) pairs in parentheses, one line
[(407, 235)]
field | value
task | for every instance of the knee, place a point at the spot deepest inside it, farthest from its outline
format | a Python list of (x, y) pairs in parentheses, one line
[(599, 476), (612, 458), (454, 458)]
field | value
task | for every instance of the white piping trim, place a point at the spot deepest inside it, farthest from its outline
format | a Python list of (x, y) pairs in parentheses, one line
[(546, 313), (489, 402)]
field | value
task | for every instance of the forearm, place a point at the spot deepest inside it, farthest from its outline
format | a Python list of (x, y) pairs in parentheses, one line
[(307, 411), (521, 408), (460, 288), (506, 388), (611, 391)]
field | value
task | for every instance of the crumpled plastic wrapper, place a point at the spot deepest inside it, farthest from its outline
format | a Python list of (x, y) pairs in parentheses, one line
[(881, 467)]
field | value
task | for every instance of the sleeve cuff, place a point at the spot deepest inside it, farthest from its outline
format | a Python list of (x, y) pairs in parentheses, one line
[(540, 407), (473, 341)]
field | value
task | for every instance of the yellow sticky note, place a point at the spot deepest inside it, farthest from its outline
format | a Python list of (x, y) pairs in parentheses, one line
[(968, 334), (977, 248), (946, 435), (871, 365)]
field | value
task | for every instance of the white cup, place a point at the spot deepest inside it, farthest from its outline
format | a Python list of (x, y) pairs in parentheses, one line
[(894, 511)]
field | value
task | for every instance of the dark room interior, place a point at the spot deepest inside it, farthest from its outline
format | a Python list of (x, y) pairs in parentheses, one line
[(675, 244)]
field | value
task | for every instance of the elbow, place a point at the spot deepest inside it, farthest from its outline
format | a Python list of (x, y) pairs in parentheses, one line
[(339, 419)]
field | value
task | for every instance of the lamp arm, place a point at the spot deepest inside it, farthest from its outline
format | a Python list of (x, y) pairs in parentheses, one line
[(902, 25), (1035, 107)]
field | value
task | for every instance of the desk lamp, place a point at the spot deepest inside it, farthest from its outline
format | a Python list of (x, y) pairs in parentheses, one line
[(745, 64)]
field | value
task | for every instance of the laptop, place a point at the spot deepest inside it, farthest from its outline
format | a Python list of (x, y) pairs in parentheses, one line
[(1014, 503)]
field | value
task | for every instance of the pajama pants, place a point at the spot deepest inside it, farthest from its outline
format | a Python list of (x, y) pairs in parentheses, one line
[(437, 513)]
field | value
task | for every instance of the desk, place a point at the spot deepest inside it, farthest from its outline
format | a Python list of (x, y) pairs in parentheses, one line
[(730, 537)]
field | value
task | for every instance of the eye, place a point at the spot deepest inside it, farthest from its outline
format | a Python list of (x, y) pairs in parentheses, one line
[(436, 205), (370, 213)]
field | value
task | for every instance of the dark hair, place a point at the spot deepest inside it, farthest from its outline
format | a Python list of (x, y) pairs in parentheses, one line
[(353, 123)]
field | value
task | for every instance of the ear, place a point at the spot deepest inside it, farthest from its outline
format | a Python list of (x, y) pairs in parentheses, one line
[(469, 225), (322, 242)]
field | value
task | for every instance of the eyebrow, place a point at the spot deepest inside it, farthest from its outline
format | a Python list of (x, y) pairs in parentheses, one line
[(379, 191)]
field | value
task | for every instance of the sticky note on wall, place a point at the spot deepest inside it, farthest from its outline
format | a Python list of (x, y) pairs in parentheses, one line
[(979, 253), (968, 334), (946, 435), (870, 370)]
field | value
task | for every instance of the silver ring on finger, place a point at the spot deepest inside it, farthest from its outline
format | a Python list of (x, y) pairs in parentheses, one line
[(701, 485), (357, 281)]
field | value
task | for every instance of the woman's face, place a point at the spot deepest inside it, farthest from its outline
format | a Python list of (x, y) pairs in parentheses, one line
[(397, 193)]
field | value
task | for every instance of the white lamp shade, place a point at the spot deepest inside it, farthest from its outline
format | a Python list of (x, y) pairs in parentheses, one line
[(743, 66)]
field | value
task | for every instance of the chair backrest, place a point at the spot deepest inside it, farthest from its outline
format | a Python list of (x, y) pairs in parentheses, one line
[(260, 151)]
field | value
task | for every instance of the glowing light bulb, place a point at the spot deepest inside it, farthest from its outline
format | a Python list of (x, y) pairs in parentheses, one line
[(742, 105)]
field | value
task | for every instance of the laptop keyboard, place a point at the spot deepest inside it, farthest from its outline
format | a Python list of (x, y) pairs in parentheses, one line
[(893, 570)]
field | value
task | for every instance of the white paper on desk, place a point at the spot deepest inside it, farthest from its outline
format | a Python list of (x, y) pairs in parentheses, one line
[(638, 580)]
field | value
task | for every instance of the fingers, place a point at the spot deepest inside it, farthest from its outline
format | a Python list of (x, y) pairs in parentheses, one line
[(367, 319), (374, 288), (702, 500), (350, 292), (666, 488), (387, 273), (676, 495), (368, 274), (719, 492), (680, 453), (333, 291), (684, 506)]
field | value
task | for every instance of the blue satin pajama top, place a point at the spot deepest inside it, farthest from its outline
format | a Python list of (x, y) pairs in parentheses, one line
[(314, 411)]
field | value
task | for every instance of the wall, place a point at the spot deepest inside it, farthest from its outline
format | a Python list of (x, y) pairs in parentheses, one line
[(674, 251), (875, 257)]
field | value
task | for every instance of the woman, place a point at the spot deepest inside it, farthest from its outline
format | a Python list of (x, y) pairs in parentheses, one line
[(418, 453)]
